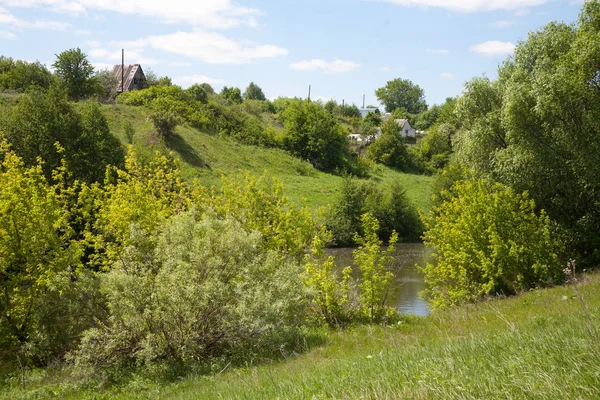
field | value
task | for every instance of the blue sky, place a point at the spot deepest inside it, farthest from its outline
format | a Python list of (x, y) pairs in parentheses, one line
[(343, 48)]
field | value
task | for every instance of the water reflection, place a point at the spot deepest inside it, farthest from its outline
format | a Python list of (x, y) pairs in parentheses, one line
[(409, 282)]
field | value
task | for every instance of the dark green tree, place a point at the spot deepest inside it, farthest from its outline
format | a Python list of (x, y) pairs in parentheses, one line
[(536, 127), (232, 94), (402, 93), (389, 148), (40, 119), (254, 92), (76, 73), (313, 134)]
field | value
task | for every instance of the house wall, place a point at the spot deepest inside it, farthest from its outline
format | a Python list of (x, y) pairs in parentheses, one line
[(136, 83), (408, 130)]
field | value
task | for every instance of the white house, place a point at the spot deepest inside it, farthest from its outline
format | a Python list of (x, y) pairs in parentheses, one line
[(366, 110), (405, 128)]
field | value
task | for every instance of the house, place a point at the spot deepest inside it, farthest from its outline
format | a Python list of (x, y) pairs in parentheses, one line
[(405, 128), (364, 111), (132, 75)]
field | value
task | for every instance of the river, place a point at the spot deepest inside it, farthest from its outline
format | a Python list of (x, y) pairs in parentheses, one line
[(409, 282)]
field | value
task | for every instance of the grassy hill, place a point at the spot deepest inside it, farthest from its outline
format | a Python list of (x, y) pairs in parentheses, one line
[(543, 344), (208, 157)]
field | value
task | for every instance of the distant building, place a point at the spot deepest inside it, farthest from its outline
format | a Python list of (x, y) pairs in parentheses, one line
[(133, 77), (405, 128), (366, 110)]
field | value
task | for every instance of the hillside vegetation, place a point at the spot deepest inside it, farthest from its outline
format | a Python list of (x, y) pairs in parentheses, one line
[(208, 157)]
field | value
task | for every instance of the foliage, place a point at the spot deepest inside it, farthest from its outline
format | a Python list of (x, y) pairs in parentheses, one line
[(165, 122), (254, 92), (144, 194), (312, 134), (107, 86), (198, 93), (536, 128), (402, 93), (488, 240), (76, 72), (373, 264), (389, 148), (153, 80), (372, 118), (205, 290), (258, 204), (38, 263), (367, 130), (391, 207), (434, 149), (232, 94), (330, 294), (19, 75), (40, 119)]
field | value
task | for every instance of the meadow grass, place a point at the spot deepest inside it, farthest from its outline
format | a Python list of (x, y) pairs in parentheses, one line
[(542, 344), (207, 157)]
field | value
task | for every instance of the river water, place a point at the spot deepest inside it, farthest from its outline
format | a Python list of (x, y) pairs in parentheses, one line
[(409, 282)]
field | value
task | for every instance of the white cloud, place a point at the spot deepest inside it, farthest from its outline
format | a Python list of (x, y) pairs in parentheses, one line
[(330, 67), (470, 6), (180, 64), (447, 75), (191, 79), (211, 14), (211, 47), (9, 19), (502, 24), (82, 32), (493, 48), (438, 51), (6, 35), (99, 66), (385, 69)]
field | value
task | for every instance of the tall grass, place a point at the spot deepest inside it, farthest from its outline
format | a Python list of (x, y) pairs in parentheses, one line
[(536, 345)]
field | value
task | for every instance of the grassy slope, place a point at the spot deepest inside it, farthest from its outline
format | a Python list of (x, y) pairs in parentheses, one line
[(538, 345), (208, 157)]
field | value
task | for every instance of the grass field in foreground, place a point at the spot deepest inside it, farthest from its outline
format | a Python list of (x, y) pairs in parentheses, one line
[(542, 345)]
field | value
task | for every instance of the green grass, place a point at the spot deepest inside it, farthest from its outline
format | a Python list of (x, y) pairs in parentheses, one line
[(538, 345), (208, 157)]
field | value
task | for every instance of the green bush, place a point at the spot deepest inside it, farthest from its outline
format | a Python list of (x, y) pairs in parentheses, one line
[(311, 133), (488, 240), (389, 148), (390, 207), (204, 291), (19, 75), (165, 122)]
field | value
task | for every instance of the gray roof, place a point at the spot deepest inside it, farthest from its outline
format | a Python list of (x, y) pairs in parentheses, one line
[(129, 73)]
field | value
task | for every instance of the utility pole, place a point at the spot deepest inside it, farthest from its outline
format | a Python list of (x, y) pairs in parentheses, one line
[(309, 93), (343, 107), (364, 101)]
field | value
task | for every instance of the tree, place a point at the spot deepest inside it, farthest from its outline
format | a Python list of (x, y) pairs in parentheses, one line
[(254, 92), (20, 75), (40, 119), (198, 93), (402, 93), (76, 72), (389, 148), (488, 240), (536, 128), (232, 94), (313, 134)]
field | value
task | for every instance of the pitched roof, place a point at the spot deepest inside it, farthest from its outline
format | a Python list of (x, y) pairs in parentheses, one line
[(401, 122), (129, 73)]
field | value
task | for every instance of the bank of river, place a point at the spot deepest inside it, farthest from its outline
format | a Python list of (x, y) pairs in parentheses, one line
[(409, 282)]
